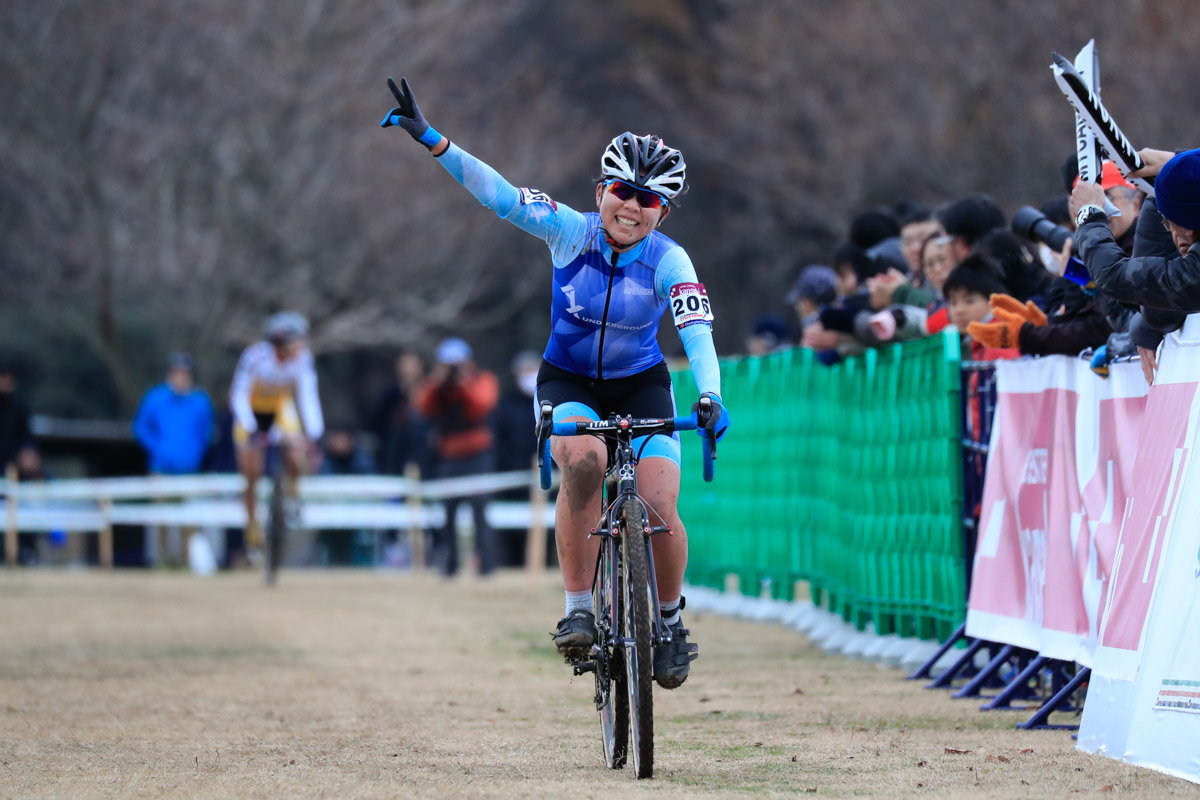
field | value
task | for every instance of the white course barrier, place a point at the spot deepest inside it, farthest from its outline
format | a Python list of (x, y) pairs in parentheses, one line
[(1143, 703), (1060, 471), (328, 502)]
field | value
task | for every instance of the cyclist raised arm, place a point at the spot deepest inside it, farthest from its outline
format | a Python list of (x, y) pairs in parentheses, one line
[(614, 277), (274, 397)]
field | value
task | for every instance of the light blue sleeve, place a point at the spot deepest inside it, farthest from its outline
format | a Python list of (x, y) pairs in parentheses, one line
[(561, 227), (674, 268)]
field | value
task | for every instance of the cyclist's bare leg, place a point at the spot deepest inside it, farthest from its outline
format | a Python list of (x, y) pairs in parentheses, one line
[(582, 460), (658, 484), (295, 461), (250, 464)]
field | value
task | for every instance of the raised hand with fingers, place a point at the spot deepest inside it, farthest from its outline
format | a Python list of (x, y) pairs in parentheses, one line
[(407, 115)]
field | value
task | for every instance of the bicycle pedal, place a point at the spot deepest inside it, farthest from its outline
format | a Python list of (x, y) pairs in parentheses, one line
[(582, 667)]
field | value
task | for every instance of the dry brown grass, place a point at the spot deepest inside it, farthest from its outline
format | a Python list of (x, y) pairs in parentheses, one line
[(339, 684)]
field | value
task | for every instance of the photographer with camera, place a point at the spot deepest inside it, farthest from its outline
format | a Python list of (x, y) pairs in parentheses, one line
[(1163, 273), (1079, 317), (457, 399), (1158, 279)]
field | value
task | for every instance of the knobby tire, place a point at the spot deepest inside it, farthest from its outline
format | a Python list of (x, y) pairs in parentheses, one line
[(612, 697), (639, 659), (276, 530)]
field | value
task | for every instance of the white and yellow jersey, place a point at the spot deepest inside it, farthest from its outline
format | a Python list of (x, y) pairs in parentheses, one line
[(271, 391)]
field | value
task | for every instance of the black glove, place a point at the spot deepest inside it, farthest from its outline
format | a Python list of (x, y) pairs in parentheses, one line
[(407, 115), (711, 416)]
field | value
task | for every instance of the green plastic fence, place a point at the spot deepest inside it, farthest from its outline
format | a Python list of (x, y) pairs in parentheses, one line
[(846, 477)]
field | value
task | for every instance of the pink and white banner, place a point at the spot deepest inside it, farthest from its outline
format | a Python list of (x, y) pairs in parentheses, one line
[(1061, 466), (1144, 694)]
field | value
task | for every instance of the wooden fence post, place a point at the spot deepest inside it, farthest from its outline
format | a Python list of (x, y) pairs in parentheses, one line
[(416, 530), (535, 544), (106, 534), (10, 529)]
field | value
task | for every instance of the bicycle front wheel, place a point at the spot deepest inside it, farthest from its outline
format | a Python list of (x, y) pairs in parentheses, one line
[(612, 699), (639, 665), (276, 530)]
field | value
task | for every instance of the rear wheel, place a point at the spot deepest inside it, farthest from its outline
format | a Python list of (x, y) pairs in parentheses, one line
[(612, 698), (635, 612)]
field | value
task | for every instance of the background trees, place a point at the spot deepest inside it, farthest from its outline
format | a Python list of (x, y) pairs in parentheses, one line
[(170, 172)]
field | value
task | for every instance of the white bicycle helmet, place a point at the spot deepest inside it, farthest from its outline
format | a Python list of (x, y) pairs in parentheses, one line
[(646, 161), (285, 326)]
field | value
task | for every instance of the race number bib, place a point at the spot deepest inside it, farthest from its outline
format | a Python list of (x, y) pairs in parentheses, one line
[(689, 304), (536, 196)]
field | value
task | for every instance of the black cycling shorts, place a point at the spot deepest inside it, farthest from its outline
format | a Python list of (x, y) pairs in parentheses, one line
[(647, 394)]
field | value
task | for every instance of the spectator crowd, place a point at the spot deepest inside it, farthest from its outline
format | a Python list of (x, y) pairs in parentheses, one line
[(1100, 270)]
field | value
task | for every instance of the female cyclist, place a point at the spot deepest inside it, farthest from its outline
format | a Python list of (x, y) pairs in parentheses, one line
[(614, 277)]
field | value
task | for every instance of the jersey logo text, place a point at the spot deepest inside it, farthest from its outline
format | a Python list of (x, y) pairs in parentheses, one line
[(574, 308)]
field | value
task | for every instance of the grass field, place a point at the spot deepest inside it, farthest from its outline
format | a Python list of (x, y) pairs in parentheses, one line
[(362, 684)]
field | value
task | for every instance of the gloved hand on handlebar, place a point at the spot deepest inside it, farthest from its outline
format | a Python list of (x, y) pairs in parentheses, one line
[(711, 416), (407, 115)]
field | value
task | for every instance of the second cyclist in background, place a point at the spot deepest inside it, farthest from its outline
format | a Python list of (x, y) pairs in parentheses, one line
[(274, 399)]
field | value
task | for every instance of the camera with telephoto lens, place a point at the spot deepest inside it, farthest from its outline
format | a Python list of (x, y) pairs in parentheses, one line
[(1033, 224)]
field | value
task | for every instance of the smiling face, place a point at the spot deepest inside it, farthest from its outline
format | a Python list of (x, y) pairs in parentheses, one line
[(937, 261), (625, 221)]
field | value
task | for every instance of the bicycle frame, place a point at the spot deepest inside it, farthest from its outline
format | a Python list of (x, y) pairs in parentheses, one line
[(625, 588), (621, 485), (621, 479)]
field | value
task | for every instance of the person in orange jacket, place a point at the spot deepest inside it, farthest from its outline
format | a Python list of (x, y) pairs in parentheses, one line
[(457, 398)]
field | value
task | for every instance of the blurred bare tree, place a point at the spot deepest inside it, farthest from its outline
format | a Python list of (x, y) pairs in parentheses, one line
[(170, 172)]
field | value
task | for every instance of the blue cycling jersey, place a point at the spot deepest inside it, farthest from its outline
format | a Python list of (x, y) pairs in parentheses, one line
[(606, 306)]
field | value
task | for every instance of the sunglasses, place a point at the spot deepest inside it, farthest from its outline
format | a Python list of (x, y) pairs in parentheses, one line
[(624, 191)]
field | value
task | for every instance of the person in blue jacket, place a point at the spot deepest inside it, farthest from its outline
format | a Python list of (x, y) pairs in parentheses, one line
[(174, 423), (615, 276)]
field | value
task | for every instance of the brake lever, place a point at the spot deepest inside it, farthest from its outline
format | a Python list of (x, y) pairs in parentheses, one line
[(543, 431)]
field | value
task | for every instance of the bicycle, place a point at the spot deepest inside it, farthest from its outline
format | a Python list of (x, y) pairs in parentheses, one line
[(283, 510), (624, 590)]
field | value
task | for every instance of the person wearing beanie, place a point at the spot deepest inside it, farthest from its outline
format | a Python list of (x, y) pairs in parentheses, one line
[(1169, 282), (815, 286)]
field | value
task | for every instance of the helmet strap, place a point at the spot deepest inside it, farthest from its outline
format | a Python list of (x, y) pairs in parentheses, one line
[(619, 248)]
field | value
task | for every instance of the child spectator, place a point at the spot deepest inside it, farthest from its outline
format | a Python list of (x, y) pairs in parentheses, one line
[(967, 291)]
